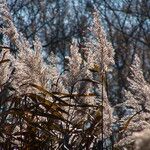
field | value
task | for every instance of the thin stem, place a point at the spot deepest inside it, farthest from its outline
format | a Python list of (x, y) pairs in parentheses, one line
[(102, 97)]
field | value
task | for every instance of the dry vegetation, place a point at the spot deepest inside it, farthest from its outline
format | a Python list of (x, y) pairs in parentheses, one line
[(42, 108)]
